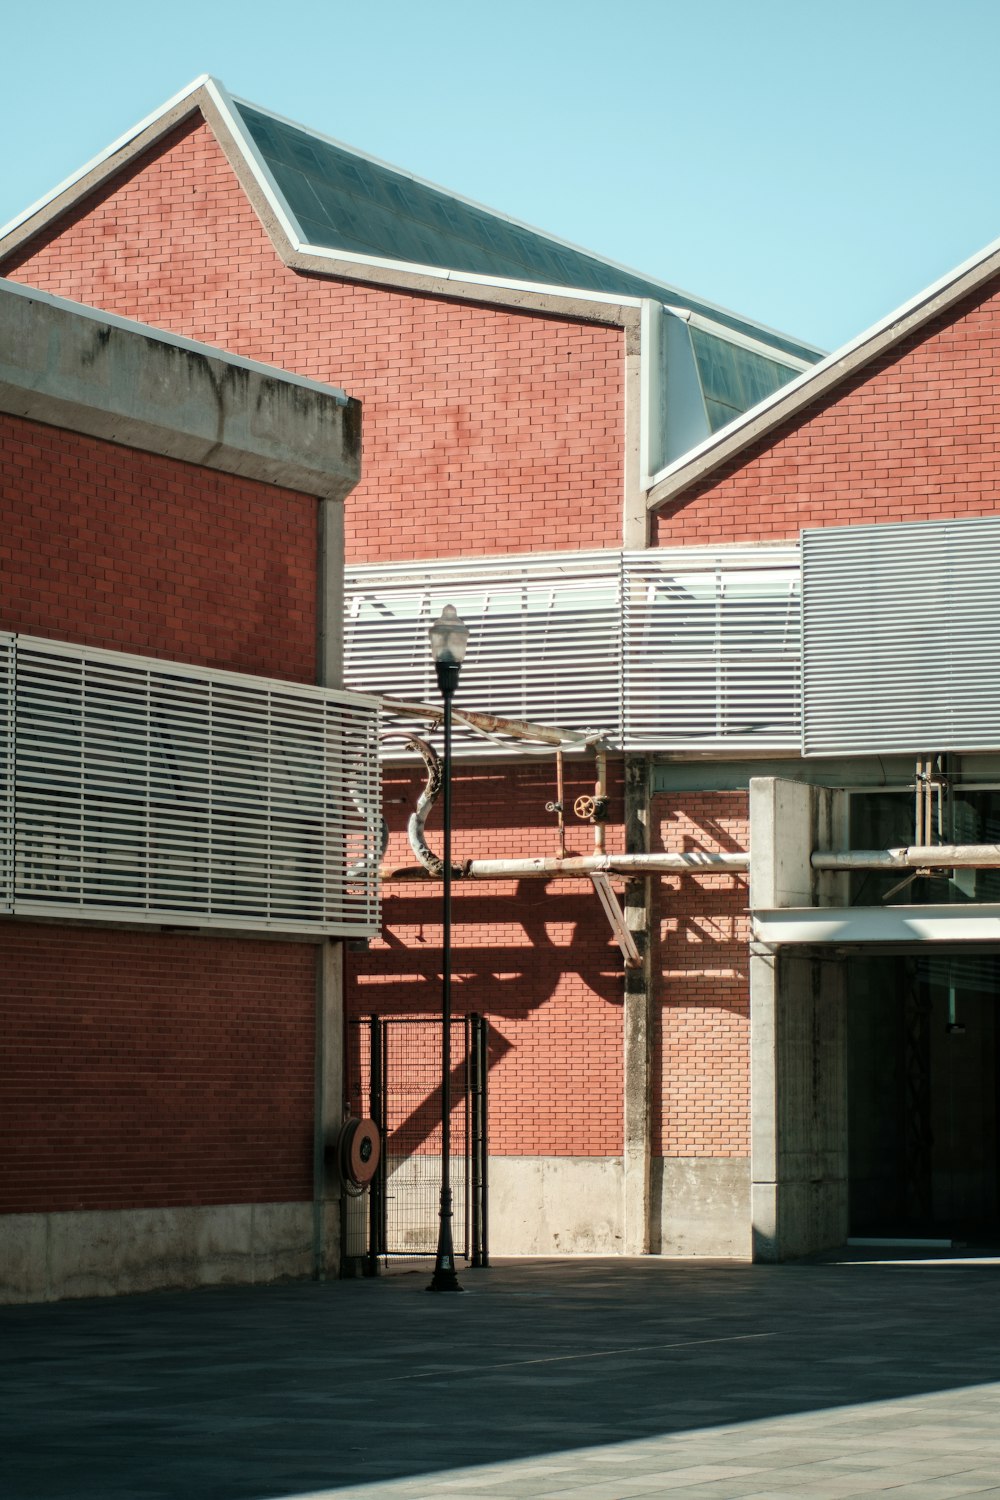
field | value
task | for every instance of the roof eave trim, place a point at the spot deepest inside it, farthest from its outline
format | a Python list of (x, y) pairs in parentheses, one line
[(165, 116), (606, 300), (824, 377)]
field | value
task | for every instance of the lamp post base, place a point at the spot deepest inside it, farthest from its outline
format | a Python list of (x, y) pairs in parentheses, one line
[(445, 1277)]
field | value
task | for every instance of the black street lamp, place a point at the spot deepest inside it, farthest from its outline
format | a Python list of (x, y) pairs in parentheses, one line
[(448, 640)]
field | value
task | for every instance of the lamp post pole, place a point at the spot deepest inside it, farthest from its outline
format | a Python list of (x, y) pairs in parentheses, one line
[(448, 640)]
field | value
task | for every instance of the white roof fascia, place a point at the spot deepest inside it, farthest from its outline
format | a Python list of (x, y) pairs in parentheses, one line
[(733, 336), (732, 428), (102, 156), (845, 360), (225, 104), (176, 340), (470, 278)]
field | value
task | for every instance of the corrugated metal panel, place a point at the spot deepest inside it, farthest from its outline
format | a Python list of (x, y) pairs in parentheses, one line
[(901, 627), (150, 791), (544, 643), (6, 769), (682, 648), (712, 648)]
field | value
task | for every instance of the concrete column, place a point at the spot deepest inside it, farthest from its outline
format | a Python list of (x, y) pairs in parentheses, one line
[(330, 591), (799, 1164), (637, 1037), (328, 1112), (635, 516)]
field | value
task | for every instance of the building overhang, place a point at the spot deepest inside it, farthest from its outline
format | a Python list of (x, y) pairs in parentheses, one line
[(863, 926), (92, 372)]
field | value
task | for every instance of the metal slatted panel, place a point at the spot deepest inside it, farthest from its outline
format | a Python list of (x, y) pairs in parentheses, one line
[(6, 770), (545, 640), (712, 648), (682, 648), (901, 628), (150, 791)]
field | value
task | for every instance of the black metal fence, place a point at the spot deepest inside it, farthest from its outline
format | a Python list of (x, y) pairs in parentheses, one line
[(394, 1077)]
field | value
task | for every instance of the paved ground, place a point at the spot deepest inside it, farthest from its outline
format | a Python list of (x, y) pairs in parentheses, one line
[(576, 1380)]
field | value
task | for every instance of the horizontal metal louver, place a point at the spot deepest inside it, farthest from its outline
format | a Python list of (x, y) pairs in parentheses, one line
[(712, 648), (6, 770), (901, 627), (146, 790), (545, 640), (681, 648)]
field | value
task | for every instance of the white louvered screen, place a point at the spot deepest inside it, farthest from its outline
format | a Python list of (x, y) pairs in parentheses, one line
[(901, 628), (6, 770), (681, 648), (150, 791), (712, 648), (545, 641)]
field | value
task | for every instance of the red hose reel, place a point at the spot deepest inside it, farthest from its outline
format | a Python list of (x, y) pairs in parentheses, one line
[(359, 1148)]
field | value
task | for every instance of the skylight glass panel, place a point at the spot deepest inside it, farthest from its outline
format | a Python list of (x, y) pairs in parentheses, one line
[(467, 238)]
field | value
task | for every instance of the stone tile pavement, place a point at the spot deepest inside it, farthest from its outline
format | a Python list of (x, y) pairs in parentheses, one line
[(575, 1380)]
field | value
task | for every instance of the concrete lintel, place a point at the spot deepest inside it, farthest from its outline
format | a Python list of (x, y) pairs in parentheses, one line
[(91, 372), (788, 820), (878, 924)]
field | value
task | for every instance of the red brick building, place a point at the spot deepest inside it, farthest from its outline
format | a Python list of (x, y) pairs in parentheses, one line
[(610, 479), (169, 513)]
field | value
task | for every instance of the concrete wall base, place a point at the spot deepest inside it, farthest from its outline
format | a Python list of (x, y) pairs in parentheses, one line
[(45, 1257), (555, 1205), (701, 1206)]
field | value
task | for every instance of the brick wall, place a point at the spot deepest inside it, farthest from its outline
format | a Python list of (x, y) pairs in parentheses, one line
[(142, 1068), (912, 438), (484, 430), (153, 1069), (111, 547), (701, 933), (537, 958)]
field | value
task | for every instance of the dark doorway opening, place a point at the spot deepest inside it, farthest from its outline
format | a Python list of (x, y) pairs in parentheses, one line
[(924, 1095)]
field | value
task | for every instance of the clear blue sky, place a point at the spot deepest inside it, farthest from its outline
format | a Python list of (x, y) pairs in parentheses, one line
[(810, 165)]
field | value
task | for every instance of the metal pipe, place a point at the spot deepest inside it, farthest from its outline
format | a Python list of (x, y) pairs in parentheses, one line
[(584, 865), (561, 804), (518, 729), (601, 795), (915, 857)]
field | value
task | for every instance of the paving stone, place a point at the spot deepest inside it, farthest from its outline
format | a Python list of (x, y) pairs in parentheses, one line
[(579, 1380)]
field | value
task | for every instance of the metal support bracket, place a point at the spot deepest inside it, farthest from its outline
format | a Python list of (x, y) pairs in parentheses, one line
[(615, 915)]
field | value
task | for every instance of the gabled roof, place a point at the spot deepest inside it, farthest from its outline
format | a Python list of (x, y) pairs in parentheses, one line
[(341, 211), (824, 379)]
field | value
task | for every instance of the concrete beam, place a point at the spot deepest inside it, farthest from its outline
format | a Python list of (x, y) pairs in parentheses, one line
[(972, 922), (91, 372)]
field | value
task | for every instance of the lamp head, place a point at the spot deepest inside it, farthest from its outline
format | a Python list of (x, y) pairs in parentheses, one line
[(448, 639), (449, 636)]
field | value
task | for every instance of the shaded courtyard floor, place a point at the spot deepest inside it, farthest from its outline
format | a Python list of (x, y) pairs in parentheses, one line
[(578, 1379)]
